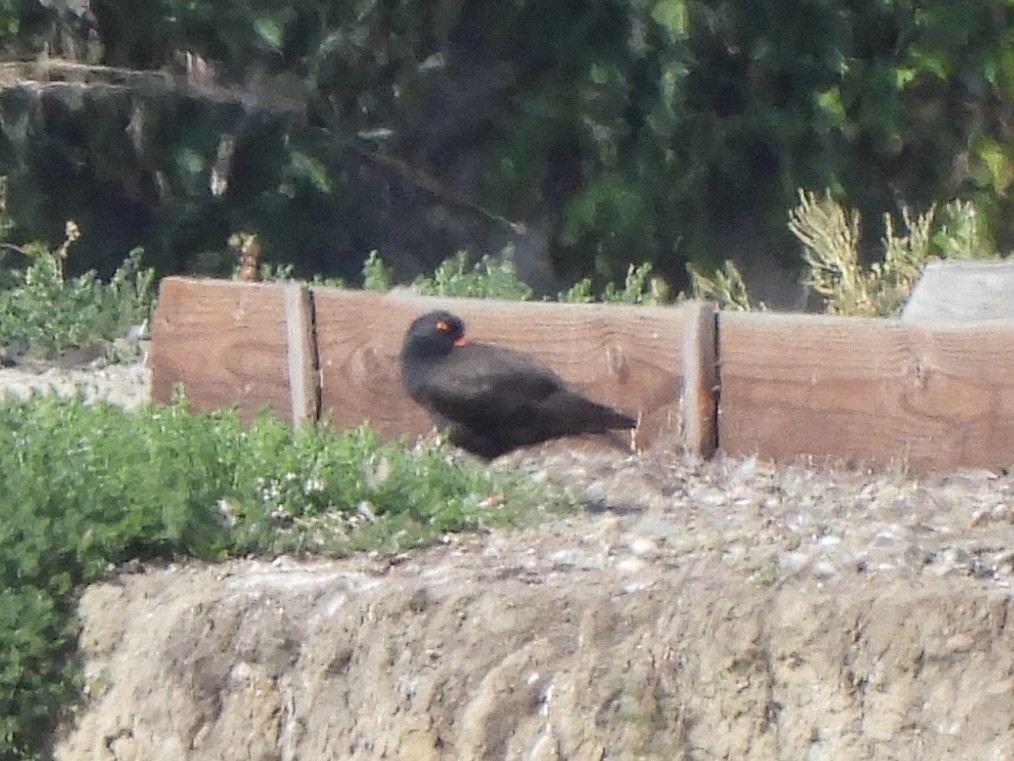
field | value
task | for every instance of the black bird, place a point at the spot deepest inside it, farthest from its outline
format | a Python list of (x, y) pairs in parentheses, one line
[(492, 399)]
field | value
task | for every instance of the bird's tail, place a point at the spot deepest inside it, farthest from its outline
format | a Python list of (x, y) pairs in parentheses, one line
[(586, 416)]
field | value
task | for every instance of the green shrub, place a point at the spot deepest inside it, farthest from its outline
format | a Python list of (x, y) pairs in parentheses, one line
[(726, 286), (831, 250), (376, 274), (639, 287), (832, 236), (497, 278), (648, 125), (488, 278), (87, 486), (50, 314)]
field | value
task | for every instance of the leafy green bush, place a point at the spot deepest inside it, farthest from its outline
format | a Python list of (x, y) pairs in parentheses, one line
[(639, 287), (497, 278), (376, 274), (726, 286), (51, 314), (488, 278), (87, 486), (646, 125)]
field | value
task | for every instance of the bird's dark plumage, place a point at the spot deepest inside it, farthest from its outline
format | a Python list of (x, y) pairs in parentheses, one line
[(492, 399)]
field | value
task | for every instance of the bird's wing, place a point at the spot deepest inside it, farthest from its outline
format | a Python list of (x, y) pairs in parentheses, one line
[(481, 383)]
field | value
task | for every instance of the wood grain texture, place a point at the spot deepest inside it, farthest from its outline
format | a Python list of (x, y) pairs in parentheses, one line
[(867, 392), (628, 357), (700, 379), (225, 341)]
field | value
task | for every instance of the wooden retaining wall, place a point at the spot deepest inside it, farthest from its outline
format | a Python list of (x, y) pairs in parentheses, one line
[(231, 343), (225, 341), (862, 392), (866, 392)]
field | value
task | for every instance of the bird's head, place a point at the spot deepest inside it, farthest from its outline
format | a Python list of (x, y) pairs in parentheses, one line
[(435, 334)]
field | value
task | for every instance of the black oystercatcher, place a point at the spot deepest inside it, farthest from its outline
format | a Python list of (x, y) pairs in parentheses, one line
[(489, 398)]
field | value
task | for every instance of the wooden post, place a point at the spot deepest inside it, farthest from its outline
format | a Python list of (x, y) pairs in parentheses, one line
[(304, 376), (700, 379)]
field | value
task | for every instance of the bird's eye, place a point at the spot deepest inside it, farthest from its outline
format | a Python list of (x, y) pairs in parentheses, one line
[(443, 326)]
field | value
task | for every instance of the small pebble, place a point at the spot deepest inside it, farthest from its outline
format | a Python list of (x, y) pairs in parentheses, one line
[(630, 566), (642, 546)]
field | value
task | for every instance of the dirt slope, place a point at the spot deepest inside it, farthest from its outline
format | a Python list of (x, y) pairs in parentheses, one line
[(719, 611)]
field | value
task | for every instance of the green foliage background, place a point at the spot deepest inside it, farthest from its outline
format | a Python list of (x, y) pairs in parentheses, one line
[(643, 126)]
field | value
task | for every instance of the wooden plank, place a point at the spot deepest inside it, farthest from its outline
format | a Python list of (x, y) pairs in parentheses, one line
[(226, 342), (304, 390), (867, 391), (629, 357), (962, 291), (700, 379)]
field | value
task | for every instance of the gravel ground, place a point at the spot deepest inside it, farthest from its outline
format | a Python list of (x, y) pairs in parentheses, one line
[(774, 523), (126, 385)]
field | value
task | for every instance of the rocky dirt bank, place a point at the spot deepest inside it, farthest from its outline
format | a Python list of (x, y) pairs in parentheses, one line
[(718, 610), (540, 646)]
